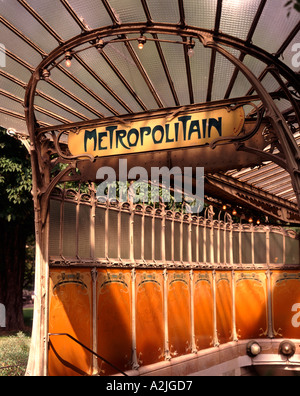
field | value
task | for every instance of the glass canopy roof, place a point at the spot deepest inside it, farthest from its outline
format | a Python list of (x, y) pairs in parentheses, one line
[(121, 79)]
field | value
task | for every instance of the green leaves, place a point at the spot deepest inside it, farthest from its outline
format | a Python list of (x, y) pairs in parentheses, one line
[(15, 179), (293, 4)]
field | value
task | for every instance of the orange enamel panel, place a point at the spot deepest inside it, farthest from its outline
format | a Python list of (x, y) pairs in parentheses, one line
[(251, 305), (203, 309), (149, 317), (70, 312), (286, 304), (224, 306), (179, 317), (114, 329)]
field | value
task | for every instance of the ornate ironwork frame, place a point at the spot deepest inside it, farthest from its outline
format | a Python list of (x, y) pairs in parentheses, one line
[(41, 147)]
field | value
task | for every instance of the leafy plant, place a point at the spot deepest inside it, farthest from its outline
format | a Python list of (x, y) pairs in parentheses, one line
[(293, 4)]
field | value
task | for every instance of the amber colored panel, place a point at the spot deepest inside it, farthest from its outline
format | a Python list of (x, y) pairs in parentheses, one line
[(149, 317), (224, 306), (179, 318), (70, 312), (286, 304), (251, 305), (114, 335), (203, 309)]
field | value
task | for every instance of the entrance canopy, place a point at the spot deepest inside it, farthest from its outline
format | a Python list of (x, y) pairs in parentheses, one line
[(82, 61)]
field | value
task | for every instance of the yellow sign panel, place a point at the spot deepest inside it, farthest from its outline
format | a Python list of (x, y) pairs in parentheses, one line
[(189, 130)]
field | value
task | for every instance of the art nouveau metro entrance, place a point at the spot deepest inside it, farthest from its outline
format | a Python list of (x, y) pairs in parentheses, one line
[(138, 288)]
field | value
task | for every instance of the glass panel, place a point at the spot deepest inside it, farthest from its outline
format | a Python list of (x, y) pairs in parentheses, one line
[(201, 13), (208, 246), (113, 234), (69, 230), (177, 241), (292, 251), (201, 244), (54, 233), (270, 84), (45, 104), (157, 235), (15, 123), (194, 243), (164, 11), (221, 80), (148, 238), (237, 17), (150, 60), (236, 247), (216, 245), (15, 69), (276, 248), (246, 248), (128, 10), (72, 87), (18, 47), (168, 240), (174, 55), (260, 247), (84, 238), (125, 235), (92, 11), (276, 22), (228, 250), (83, 75), (222, 246), (200, 64), (185, 242), (101, 67), (11, 105), (121, 58), (137, 237), (61, 97), (27, 24), (100, 233), (54, 13)]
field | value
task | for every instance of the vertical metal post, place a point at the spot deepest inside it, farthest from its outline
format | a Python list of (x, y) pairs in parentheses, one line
[(135, 364), (270, 304), (166, 322), (194, 347), (94, 274), (215, 335), (233, 285)]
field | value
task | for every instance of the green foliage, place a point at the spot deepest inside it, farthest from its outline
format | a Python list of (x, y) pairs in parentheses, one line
[(293, 4), (15, 179), (14, 352)]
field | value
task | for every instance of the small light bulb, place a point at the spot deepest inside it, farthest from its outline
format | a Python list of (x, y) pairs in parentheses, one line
[(142, 42), (191, 47), (68, 58), (224, 207), (46, 75), (234, 212), (250, 220), (191, 52)]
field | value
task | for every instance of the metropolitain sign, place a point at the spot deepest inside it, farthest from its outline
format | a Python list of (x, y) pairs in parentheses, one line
[(156, 134)]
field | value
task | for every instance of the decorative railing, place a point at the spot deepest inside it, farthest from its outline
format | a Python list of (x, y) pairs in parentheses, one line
[(86, 231)]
